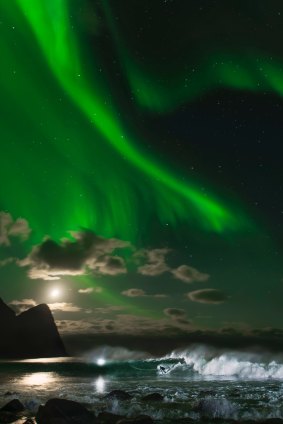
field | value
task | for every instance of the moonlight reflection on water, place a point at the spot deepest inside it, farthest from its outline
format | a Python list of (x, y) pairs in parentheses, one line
[(43, 379)]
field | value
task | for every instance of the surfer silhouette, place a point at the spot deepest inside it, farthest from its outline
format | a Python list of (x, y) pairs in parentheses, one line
[(165, 370), (162, 369)]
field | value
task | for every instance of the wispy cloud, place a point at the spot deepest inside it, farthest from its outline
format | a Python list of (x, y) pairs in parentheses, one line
[(209, 296), (188, 274), (155, 261), (140, 293), (179, 316), (22, 305), (86, 291), (64, 307), (155, 264), (10, 228), (123, 324)]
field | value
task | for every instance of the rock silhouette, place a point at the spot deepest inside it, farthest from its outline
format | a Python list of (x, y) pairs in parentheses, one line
[(31, 334), (64, 412)]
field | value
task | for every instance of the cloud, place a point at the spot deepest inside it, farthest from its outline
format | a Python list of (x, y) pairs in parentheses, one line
[(87, 251), (86, 291), (22, 305), (124, 325), (156, 265), (7, 261), (89, 290), (107, 309), (155, 261), (141, 325), (111, 265), (74, 326), (64, 307), (48, 273), (140, 293), (127, 325), (210, 296), (9, 227), (133, 293), (132, 324), (188, 274), (179, 316), (183, 322), (175, 313)]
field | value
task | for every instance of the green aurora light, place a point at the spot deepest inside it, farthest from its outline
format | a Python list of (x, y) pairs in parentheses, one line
[(245, 69), (89, 171)]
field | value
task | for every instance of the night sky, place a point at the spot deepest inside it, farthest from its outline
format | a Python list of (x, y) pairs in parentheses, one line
[(141, 166)]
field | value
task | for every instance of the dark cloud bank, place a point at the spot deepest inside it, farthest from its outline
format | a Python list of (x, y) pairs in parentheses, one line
[(87, 251)]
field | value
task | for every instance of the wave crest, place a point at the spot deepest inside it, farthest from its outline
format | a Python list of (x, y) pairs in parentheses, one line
[(209, 362)]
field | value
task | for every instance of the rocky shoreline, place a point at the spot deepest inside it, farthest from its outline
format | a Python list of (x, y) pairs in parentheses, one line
[(63, 411)]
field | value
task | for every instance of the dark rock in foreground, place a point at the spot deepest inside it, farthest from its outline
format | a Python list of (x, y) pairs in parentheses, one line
[(61, 411), (141, 419), (8, 417), (11, 411), (32, 334), (153, 397), (119, 395), (13, 406), (108, 418)]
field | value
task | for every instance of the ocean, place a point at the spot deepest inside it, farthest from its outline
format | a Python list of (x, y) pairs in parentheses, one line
[(199, 383)]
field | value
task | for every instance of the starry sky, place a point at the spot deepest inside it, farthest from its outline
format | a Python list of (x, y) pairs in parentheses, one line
[(141, 167)]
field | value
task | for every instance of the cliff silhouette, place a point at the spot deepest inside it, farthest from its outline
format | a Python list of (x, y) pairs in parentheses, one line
[(31, 334)]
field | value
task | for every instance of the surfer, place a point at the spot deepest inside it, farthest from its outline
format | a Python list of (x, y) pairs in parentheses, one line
[(162, 369), (167, 369)]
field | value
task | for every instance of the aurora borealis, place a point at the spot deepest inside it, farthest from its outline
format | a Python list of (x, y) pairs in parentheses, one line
[(134, 140), (173, 198)]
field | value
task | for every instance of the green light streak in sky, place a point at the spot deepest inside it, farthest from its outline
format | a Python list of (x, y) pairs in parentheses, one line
[(221, 70), (245, 70), (98, 179)]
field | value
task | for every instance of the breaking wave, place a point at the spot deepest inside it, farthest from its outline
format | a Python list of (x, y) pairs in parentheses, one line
[(194, 363), (199, 383), (207, 361)]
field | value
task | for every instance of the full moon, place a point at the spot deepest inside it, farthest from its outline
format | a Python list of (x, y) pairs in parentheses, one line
[(55, 292)]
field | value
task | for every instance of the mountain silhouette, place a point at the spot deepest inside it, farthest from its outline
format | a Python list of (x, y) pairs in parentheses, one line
[(31, 334)]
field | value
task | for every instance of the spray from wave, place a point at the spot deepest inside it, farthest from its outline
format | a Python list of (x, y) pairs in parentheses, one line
[(109, 354), (207, 361)]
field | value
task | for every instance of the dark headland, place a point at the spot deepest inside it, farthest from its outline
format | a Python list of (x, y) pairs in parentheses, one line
[(31, 334)]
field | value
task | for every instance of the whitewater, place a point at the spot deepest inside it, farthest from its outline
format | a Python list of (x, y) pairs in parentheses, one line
[(197, 383)]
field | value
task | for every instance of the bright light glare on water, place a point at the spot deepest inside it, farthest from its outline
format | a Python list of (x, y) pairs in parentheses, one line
[(100, 385), (100, 362), (38, 379)]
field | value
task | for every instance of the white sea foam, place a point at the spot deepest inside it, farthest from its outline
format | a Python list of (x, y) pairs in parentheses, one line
[(244, 365)]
